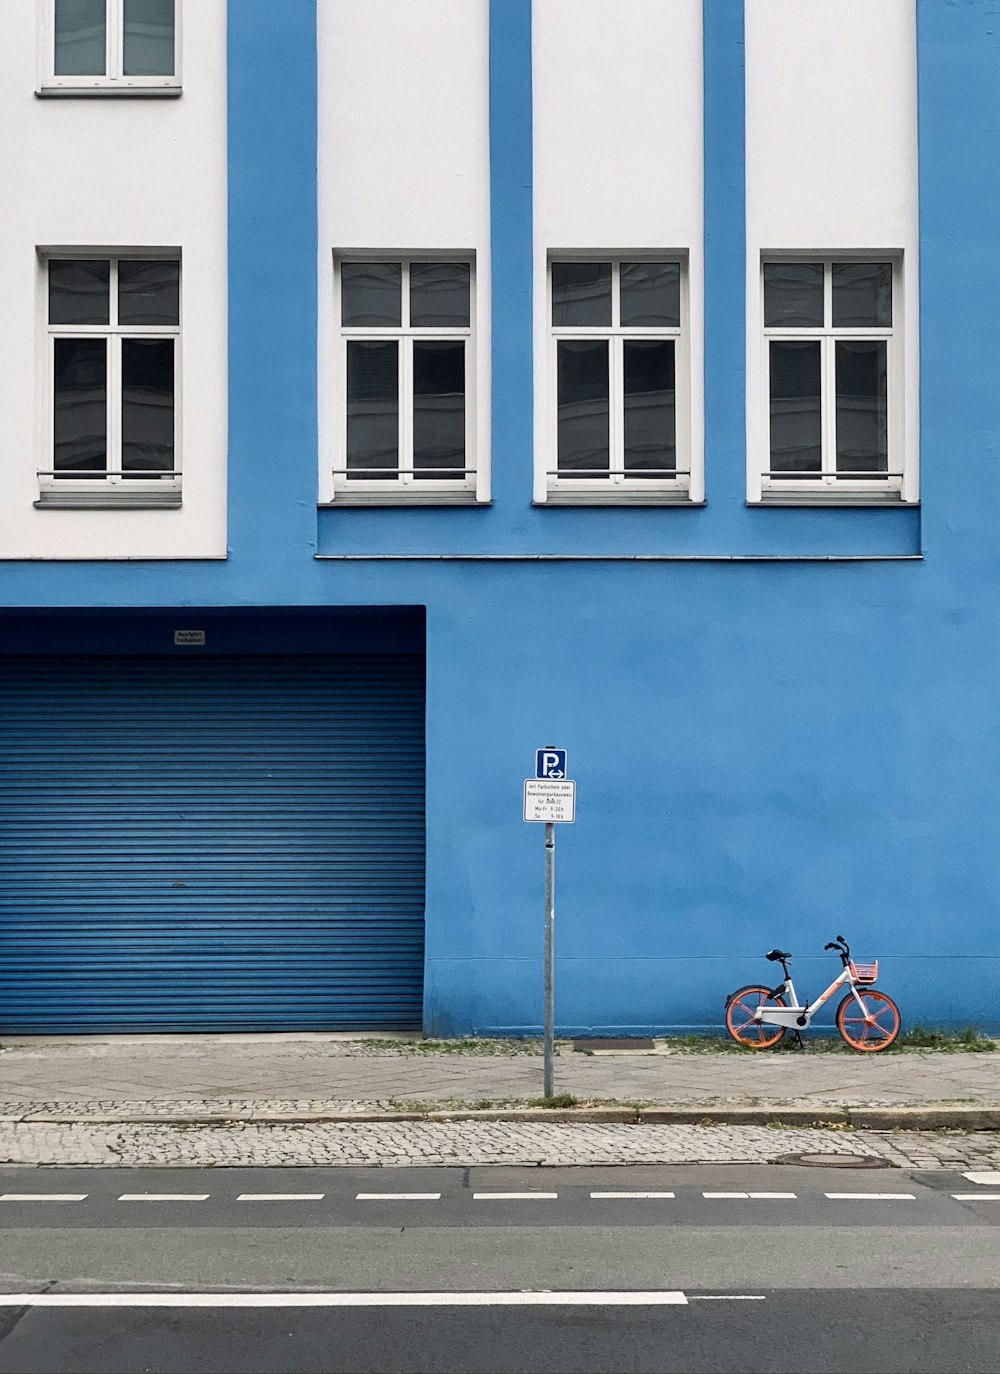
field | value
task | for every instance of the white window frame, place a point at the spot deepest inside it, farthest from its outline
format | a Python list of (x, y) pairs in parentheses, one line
[(827, 488), (114, 81), (114, 490), (404, 488), (618, 488)]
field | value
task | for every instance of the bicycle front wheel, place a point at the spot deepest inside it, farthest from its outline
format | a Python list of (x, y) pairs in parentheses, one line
[(740, 1021), (875, 1028)]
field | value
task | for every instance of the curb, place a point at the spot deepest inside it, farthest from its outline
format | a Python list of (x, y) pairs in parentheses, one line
[(924, 1118)]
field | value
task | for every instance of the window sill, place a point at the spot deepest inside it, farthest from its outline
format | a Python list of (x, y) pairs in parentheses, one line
[(106, 500), (619, 497), (108, 92), (890, 499), (354, 500)]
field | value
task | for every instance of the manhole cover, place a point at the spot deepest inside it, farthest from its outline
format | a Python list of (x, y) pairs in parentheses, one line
[(821, 1161)]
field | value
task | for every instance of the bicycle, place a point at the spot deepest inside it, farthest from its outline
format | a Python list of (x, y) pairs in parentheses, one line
[(867, 1018)]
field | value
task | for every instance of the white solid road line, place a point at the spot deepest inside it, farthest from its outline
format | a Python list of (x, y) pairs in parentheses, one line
[(990, 1178), (588, 1298), (397, 1197), (163, 1197), (42, 1197), (976, 1197), (281, 1197), (632, 1195), (727, 1297), (871, 1197), (512, 1197)]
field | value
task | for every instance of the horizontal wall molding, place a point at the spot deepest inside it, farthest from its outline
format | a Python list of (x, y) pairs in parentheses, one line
[(619, 558)]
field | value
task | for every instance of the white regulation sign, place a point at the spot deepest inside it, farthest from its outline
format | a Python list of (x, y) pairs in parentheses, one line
[(549, 801)]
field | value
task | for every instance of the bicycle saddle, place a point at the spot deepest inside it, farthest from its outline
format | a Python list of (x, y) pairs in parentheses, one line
[(776, 955)]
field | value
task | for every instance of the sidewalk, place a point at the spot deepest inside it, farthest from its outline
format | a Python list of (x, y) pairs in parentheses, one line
[(311, 1078)]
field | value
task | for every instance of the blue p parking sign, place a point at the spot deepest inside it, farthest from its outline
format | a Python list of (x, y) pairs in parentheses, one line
[(550, 763)]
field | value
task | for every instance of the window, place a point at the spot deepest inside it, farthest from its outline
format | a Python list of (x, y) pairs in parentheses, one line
[(832, 372), (620, 364), (96, 46), (113, 327), (405, 375)]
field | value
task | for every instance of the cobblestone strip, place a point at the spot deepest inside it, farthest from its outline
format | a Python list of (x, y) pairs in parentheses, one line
[(472, 1143)]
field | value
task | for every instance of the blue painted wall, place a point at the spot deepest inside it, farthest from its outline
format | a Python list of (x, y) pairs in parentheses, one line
[(767, 751)]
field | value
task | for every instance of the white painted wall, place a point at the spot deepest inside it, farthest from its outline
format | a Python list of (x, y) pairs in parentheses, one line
[(118, 173), (403, 158), (831, 126), (618, 153)]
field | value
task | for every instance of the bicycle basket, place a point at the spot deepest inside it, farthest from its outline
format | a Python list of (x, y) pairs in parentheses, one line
[(864, 973)]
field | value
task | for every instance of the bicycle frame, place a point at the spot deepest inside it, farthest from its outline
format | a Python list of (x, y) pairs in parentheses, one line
[(798, 1017)]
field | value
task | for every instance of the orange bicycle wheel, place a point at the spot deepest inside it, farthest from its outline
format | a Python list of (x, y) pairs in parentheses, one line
[(740, 1021), (873, 1029)]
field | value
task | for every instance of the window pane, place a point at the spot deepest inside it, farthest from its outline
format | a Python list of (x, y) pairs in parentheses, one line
[(583, 409), (370, 294), (651, 294), (581, 293), (81, 38), (78, 292), (372, 408), (80, 429), (862, 294), (439, 295), (650, 426), (793, 295), (438, 408), (147, 405), (796, 431), (149, 38), (862, 407), (149, 293)]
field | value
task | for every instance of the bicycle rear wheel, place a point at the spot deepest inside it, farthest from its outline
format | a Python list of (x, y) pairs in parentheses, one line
[(740, 1021), (873, 1029)]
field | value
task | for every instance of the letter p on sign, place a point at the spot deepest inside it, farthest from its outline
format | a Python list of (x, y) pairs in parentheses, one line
[(550, 763)]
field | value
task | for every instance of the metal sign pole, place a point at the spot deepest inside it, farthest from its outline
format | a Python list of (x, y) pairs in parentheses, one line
[(550, 923)]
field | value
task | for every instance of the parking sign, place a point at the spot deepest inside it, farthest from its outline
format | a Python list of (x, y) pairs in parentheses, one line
[(550, 764)]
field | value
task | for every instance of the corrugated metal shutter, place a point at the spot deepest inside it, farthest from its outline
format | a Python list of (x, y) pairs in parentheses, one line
[(211, 843)]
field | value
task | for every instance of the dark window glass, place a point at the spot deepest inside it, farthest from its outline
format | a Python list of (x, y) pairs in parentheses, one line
[(862, 407), (78, 291), (793, 295), (80, 429), (149, 292), (371, 294), (650, 425), (372, 408), (651, 294), (438, 408), (581, 293), (862, 295), (796, 426), (149, 38), (81, 38), (147, 405), (439, 295), (583, 410)]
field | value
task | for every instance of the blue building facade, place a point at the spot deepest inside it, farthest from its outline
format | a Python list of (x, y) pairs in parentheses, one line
[(782, 717)]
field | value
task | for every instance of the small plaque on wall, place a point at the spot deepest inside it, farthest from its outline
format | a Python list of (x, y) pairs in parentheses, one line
[(190, 638)]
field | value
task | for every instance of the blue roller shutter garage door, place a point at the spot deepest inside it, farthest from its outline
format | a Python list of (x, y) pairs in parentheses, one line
[(211, 843)]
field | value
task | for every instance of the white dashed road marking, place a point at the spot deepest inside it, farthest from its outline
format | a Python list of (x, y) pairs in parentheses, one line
[(871, 1197), (632, 1195), (163, 1197), (281, 1197), (397, 1197), (42, 1197), (976, 1197), (770, 1197), (587, 1298), (512, 1197), (989, 1179)]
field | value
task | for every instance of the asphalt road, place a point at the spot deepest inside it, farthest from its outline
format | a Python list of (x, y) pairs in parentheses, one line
[(701, 1268)]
